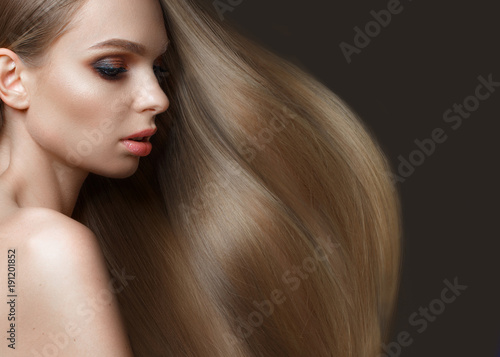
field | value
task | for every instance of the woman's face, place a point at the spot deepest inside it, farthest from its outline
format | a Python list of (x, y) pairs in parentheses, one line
[(90, 95)]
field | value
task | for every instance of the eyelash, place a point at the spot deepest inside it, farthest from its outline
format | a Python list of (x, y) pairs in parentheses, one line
[(112, 73), (161, 72)]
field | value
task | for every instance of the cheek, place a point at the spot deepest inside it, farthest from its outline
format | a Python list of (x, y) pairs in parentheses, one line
[(69, 108)]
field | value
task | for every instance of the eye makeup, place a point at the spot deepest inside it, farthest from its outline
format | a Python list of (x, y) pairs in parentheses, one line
[(110, 69)]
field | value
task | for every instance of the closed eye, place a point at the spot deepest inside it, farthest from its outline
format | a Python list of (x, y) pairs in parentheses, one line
[(110, 73)]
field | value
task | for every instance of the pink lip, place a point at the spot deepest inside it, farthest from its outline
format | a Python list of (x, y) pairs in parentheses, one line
[(145, 133), (139, 148)]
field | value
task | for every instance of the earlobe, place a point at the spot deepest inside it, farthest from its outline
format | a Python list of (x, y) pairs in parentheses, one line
[(12, 87)]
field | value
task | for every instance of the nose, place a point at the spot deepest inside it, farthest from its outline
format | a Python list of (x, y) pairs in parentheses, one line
[(151, 97)]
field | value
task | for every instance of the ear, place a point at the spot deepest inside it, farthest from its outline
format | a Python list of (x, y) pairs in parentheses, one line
[(12, 89)]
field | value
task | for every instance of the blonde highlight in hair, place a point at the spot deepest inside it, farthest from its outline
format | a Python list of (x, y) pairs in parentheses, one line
[(265, 223)]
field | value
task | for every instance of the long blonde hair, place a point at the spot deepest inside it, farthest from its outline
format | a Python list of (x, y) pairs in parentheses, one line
[(265, 222)]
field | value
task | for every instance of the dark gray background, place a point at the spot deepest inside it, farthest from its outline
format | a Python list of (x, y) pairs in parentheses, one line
[(427, 59)]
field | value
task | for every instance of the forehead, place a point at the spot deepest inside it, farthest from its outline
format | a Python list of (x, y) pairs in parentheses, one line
[(139, 21)]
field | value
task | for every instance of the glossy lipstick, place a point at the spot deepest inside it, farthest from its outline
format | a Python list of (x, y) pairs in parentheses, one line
[(138, 144)]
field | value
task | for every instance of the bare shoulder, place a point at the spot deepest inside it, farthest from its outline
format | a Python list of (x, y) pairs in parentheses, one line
[(28, 224), (34, 218), (42, 235), (64, 291), (44, 228), (54, 243)]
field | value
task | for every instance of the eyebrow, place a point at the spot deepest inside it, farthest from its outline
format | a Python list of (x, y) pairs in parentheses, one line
[(129, 46)]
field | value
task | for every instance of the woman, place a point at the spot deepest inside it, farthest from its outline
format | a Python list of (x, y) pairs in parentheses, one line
[(261, 222)]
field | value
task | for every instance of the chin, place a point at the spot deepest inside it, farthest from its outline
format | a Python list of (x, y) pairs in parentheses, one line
[(121, 172)]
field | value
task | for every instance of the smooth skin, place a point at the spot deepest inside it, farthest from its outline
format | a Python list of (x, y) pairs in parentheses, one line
[(64, 306)]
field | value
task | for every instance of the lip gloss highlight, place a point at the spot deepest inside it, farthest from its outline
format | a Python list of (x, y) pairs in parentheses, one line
[(138, 148)]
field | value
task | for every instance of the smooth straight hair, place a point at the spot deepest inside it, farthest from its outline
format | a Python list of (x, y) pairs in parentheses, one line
[(264, 223)]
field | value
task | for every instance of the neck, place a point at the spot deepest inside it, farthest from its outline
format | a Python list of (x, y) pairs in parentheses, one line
[(34, 177)]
